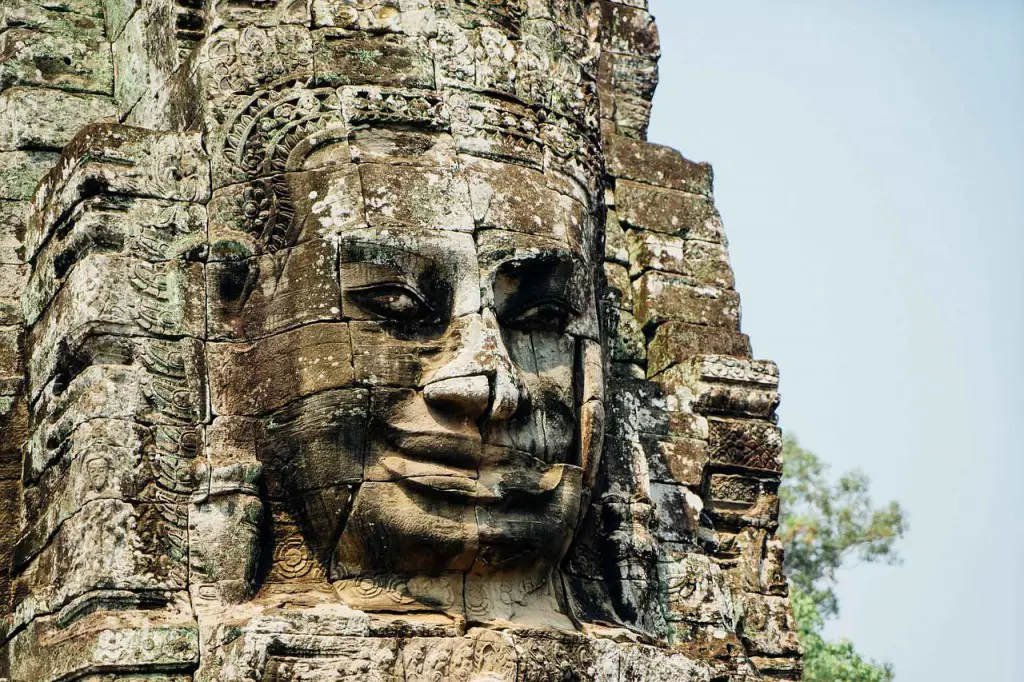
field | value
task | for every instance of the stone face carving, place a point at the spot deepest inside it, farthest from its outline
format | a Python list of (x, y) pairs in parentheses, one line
[(378, 346)]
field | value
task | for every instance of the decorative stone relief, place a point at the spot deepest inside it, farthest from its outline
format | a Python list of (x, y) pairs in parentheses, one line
[(380, 346)]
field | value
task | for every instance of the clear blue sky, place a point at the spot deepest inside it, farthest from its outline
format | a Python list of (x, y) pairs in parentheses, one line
[(869, 159)]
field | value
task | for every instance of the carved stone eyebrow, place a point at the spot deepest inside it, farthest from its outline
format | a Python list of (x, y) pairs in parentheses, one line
[(398, 258), (534, 276)]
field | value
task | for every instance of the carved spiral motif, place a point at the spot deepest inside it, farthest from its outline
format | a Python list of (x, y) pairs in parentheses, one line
[(291, 559), (368, 588)]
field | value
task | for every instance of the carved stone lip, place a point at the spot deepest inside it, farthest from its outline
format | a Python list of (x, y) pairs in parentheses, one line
[(402, 466), (439, 447), (502, 485), (458, 488)]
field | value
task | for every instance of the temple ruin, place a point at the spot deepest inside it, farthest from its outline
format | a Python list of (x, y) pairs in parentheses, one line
[(370, 340)]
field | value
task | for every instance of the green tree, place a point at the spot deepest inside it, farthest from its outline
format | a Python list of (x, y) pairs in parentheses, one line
[(826, 525)]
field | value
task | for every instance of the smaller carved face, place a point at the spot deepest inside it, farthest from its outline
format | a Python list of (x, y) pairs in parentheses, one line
[(434, 427)]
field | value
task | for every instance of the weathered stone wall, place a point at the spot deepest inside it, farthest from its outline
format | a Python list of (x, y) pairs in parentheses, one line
[(139, 139), (56, 75)]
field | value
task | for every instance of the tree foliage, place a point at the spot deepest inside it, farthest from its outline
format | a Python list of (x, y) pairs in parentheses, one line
[(826, 525)]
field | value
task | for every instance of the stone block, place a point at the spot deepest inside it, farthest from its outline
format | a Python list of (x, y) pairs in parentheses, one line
[(257, 297), (746, 444), (626, 339), (388, 60), (706, 262), (133, 392), (240, 15), (642, 161), (755, 563), (381, 17), (619, 291), (714, 385), (256, 378), (110, 642), (678, 512), (13, 434), (402, 147), (107, 458), (12, 285), (150, 230), (436, 199), (736, 502), (112, 159), (120, 295), (89, 8), (10, 509), (412, 17), (767, 626), (781, 669), (566, 265), (108, 545), (115, 14), (146, 152), (616, 246), (348, 658), (772, 578), (677, 460), (735, 387), (382, 360), (225, 520), (682, 214), (737, 401), (261, 210), (294, 561), (144, 54), (722, 368), (21, 172), (632, 77), (12, 230), (313, 444), (697, 590), (736, 491), (630, 30), (11, 366), (38, 118), (178, 105), (661, 297), (632, 116), (235, 61), (489, 131), (519, 199), (103, 459), (678, 342), (63, 54)]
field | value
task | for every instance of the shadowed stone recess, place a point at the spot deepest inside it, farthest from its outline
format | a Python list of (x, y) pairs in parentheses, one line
[(370, 340)]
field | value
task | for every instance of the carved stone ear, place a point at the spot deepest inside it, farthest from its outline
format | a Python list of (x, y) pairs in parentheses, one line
[(590, 387), (233, 280), (225, 525)]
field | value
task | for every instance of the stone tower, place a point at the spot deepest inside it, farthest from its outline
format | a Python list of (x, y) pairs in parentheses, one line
[(370, 340)]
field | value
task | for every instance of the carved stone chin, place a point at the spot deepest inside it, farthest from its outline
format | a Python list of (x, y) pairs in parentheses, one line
[(374, 344)]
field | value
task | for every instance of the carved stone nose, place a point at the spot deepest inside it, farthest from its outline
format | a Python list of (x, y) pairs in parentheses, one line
[(462, 396), (480, 377)]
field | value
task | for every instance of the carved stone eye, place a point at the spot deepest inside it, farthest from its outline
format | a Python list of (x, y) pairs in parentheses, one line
[(395, 302), (551, 315)]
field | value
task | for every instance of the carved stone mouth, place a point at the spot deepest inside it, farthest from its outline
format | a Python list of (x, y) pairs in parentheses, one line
[(443, 449), (457, 488), (491, 487), (403, 466)]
